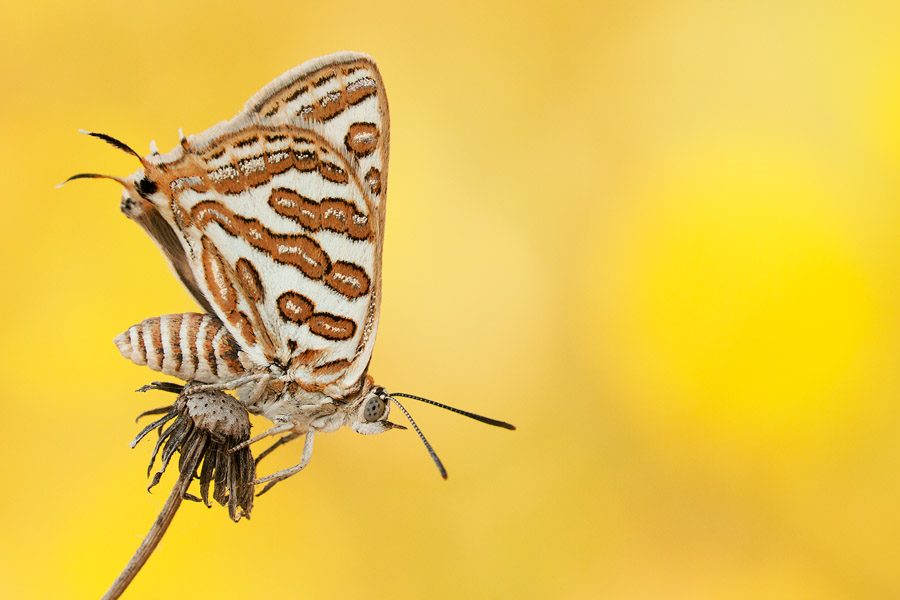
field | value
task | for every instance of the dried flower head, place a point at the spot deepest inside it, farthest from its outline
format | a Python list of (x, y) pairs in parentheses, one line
[(208, 424)]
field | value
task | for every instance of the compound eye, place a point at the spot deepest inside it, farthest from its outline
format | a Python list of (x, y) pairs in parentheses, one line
[(374, 409)]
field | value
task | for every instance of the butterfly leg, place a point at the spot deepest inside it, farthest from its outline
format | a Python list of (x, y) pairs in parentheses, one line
[(271, 431), (259, 390), (288, 438), (229, 385), (274, 478)]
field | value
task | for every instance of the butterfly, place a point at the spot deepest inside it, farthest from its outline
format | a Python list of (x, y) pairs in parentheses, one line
[(274, 222)]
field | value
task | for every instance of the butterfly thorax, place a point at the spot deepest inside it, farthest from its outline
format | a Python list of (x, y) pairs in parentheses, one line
[(287, 403)]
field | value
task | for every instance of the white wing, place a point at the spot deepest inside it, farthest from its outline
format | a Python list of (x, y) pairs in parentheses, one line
[(280, 215)]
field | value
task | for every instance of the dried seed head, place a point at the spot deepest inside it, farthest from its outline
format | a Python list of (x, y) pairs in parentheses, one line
[(216, 412), (207, 424)]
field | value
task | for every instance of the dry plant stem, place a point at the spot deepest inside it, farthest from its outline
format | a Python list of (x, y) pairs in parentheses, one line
[(163, 520)]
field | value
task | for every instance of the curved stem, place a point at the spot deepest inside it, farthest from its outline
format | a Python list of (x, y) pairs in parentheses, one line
[(163, 520)]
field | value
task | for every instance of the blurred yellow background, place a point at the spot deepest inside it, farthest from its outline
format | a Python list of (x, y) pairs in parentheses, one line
[(659, 237)]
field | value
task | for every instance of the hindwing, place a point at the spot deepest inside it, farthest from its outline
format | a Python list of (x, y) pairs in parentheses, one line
[(279, 218)]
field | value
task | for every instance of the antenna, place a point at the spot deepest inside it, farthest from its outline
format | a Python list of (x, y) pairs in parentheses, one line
[(431, 451), (465, 413), (458, 411)]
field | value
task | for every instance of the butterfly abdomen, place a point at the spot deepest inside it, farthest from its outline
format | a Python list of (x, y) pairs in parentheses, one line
[(189, 346)]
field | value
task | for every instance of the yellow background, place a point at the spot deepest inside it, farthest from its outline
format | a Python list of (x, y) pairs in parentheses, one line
[(659, 237)]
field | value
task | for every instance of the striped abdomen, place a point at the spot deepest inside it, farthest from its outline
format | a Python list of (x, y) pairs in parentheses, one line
[(189, 346)]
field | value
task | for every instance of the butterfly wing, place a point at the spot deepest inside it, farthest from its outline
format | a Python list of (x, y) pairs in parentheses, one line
[(280, 214), (343, 96)]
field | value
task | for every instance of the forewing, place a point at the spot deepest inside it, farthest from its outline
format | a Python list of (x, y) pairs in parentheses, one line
[(342, 96)]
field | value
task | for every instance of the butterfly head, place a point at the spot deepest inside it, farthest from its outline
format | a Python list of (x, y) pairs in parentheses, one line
[(137, 188), (368, 414)]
